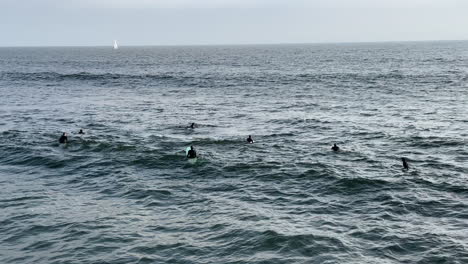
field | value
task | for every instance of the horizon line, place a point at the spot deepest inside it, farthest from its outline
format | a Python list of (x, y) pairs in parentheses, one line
[(236, 44)]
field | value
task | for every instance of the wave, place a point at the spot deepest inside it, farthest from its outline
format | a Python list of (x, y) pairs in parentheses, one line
[(21, 201), (433, 141), (357, 185), (272, 241), (80, 76), (227, 79), (138, 193)]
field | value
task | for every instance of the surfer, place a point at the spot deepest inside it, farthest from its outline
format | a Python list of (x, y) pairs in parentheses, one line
[(191, 154), (335, 147), (192, 126), (250, 140), (81, 132), (405, 164), (63, 139)]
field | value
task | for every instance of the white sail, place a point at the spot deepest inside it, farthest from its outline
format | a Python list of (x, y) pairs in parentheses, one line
[(115, 44)]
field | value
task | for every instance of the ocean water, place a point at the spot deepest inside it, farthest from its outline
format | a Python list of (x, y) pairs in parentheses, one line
[(125, 193)]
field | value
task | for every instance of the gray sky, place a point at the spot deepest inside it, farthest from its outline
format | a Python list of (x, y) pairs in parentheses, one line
[(185, 22)]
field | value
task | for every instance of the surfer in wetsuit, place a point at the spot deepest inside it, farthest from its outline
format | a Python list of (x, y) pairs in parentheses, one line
[(63, 139), (335, 147), (405, 164), (250, 140), (191, 154), (81, 132), (192, 126)]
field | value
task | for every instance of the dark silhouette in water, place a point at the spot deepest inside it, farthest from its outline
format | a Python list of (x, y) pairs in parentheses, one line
[(81, 132), (405, 164), (250, 140), (192, 125), (63, 139), (191, 154), (335, 147)]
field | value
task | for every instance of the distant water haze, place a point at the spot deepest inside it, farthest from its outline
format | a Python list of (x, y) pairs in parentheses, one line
[(184, 22)]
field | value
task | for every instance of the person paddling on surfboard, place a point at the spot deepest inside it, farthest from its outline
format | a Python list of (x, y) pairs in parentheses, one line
[(81, 132), (63, 139), (335, 147), (192, 126), (191, 154), (250, 140), (405, 164)]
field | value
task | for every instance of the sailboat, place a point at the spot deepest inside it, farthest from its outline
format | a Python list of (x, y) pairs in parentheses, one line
[(115, 45)]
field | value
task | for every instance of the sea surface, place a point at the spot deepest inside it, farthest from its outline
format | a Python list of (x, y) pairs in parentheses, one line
[(125, 193)]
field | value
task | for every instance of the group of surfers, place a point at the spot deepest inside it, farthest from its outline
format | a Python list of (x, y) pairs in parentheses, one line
[(192, 154)]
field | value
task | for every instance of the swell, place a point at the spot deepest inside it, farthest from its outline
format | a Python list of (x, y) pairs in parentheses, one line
[(228, 79), (271, 241), (425, 142), (80, 76)]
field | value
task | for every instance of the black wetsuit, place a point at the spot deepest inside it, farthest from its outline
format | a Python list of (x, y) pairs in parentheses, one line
[(405, 165), (335, 148), (191, 154), (63, 139), (250, 140)]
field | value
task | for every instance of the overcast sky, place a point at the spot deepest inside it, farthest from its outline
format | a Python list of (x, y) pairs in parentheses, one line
[(186, 22)]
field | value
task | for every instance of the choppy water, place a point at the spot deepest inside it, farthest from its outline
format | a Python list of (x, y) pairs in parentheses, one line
[(124, 192)]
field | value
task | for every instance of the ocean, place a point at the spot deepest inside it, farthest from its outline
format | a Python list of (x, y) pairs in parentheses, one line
[(125, 192)]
